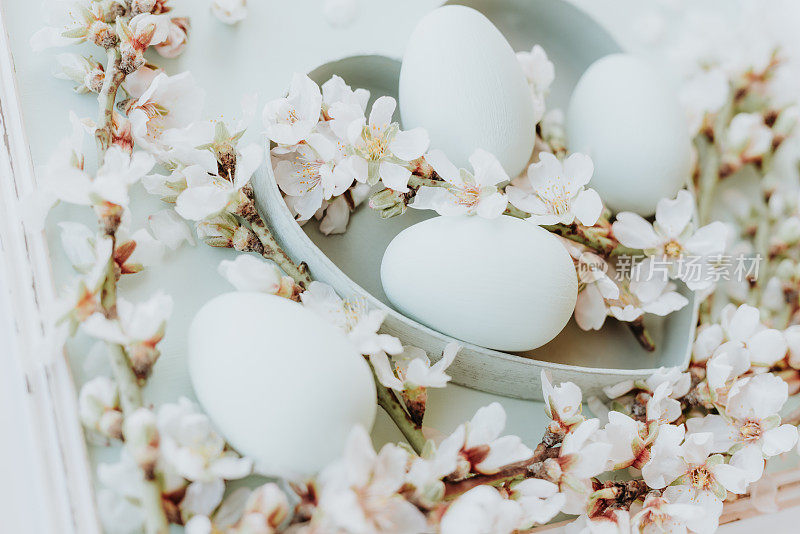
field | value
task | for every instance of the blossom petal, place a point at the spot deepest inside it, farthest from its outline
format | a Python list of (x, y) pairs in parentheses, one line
[(487, 168), (380, 116), (444, 167), (394, 176), (587, 207), (410, 144), (767, 347), (634, 231), (779, 440), (578, 170), (673, 215), (492, 206)]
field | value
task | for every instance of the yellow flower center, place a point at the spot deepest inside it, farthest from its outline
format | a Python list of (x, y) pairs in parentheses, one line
[(468, 196), (673, 249), (701, 478), (556, 196), (750, 431), (376, 145), (354, 310)]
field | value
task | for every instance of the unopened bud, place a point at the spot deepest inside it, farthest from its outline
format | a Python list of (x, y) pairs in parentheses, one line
[(142, 6), (131, 59), (101, 34), (142, 357), (218, 231), (388, 203)]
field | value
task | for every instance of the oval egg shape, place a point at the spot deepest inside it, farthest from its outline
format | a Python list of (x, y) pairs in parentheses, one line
[(625, 116), (277, 394), (461, 81), (503, 283)]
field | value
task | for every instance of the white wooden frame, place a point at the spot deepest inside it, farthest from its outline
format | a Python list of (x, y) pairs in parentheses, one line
[(60, 468)]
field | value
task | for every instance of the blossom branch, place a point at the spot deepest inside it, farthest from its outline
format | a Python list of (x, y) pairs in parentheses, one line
[(271, 249), (114, 76), (130, 392), (530, 468), (391, 405)]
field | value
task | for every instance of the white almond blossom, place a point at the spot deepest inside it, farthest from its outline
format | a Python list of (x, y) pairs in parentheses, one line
[(679, 382), (343, 105), (692, 464), (562, 403), (335, 214), (169, 102), (646, 292), (674, 240), (138, 327), (315, 171), (207, 195), (412, 368), (264, 511), (750, 418), (72, 22), (169, 228), (110, 186), (481, 448), (119, 497), (137, 323), (466, 193), (176, 39), (229, 516), (384, 147), (740, 328), (661, 407), (614, 522), (426, 472), (704, 523), (354, 317), (540, 73), (580, 458), (191, 448), (539, 499), (81, 299), (291, 119), (137, 35), (98, 405), (229, 11), (359, 493), (557, 193), (248, 273), (481, 510), (660, 516), (629, 440), (79, 244), (596, 292)]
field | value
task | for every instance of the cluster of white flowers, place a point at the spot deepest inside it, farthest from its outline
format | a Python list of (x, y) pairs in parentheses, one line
[(327, 146)]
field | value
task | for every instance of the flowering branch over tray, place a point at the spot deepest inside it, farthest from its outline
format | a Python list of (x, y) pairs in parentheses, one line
[(665, 454)]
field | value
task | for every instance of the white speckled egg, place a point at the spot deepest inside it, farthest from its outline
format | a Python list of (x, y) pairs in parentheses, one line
[(282, 385), (627, 117), (501, 283), (461, 81)]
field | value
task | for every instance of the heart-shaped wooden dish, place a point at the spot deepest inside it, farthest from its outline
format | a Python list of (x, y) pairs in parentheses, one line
[(350, 262)]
